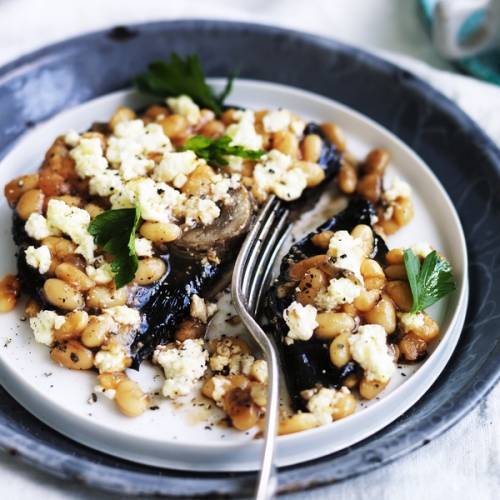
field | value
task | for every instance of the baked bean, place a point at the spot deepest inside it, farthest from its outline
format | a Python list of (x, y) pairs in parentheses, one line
[(367, 300), (213, 129), (122, 114), (373, 274), (101, 297), (190, 328), (400, 293), (212, 389), (286, 142), (73, 355), (259, 115), (32, 307), (347, 178), (314, 173), (322, 240), (175, 126), (10, 291), (376, 161), (297, 271), (310, 285), (383, 314), (297, 423), (311, 147), (227, 116), (335, 134), (60, 248), (97, 330), (110, 381), (365, 234), (350, 310), (72, 201), (150, 270), (157, 112), (403, 211), (130, 399), (429, 331), (412, 347), (93, 210), (344, 406), (53, 184), (266, 136), (62, 295), (352, 380), (31, 202), (74, 276), (396, 272), (241, 408), (75, 260), (389, 226), (160, 232), (331, 324), (340, 350), (395, 256), (370, 389), (370, 187), (72, 328), (199, 181), (18, 186)]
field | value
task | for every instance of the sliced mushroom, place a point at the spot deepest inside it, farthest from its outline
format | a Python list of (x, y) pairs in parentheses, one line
[(218, 241)]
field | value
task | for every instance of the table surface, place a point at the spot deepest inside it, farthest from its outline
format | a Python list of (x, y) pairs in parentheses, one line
[(463, 462)]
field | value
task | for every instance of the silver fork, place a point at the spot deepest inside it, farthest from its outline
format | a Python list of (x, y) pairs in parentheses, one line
[(250, 279)]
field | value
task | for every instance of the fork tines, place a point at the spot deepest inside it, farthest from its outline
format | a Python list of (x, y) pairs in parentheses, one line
[(250, 279)]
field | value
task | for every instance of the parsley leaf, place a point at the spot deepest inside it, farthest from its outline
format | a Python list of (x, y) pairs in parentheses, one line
[(430, 282), (212, 150), (182, 77), (114, 231)]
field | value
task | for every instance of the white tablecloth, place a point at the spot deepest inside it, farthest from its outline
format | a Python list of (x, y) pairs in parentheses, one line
[(464, 462)]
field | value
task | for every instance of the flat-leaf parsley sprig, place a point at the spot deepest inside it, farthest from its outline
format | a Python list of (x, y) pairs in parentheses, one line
[(179, 77), (114, 231), (429, 282), (214, 150)]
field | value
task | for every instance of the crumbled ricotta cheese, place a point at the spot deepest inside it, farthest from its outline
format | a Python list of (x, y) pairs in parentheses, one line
[(39, 258), (112, 358), (297, 125), (200, 310), (339, 291), (38, 228), (143, 247), (74, 222), (220, 188), (243, 132), (398, 189), (276, 175), (100, 271), (221, 386), (124, 315), (301, 320), (88, 156), (130, 145), (183, 365), (106, 183), (347, 251), (184, 105), (369, 348), (175, 167), (421, 250), (322, 404), (200, 210), (259, 371), (72, 138), (411, 322), (109, 393), (44, 324), (277, 120)]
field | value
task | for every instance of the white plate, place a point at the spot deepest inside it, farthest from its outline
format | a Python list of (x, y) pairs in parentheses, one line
[(185, 434)]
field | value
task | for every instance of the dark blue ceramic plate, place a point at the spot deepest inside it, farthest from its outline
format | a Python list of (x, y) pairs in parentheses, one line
[(39, 86)]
